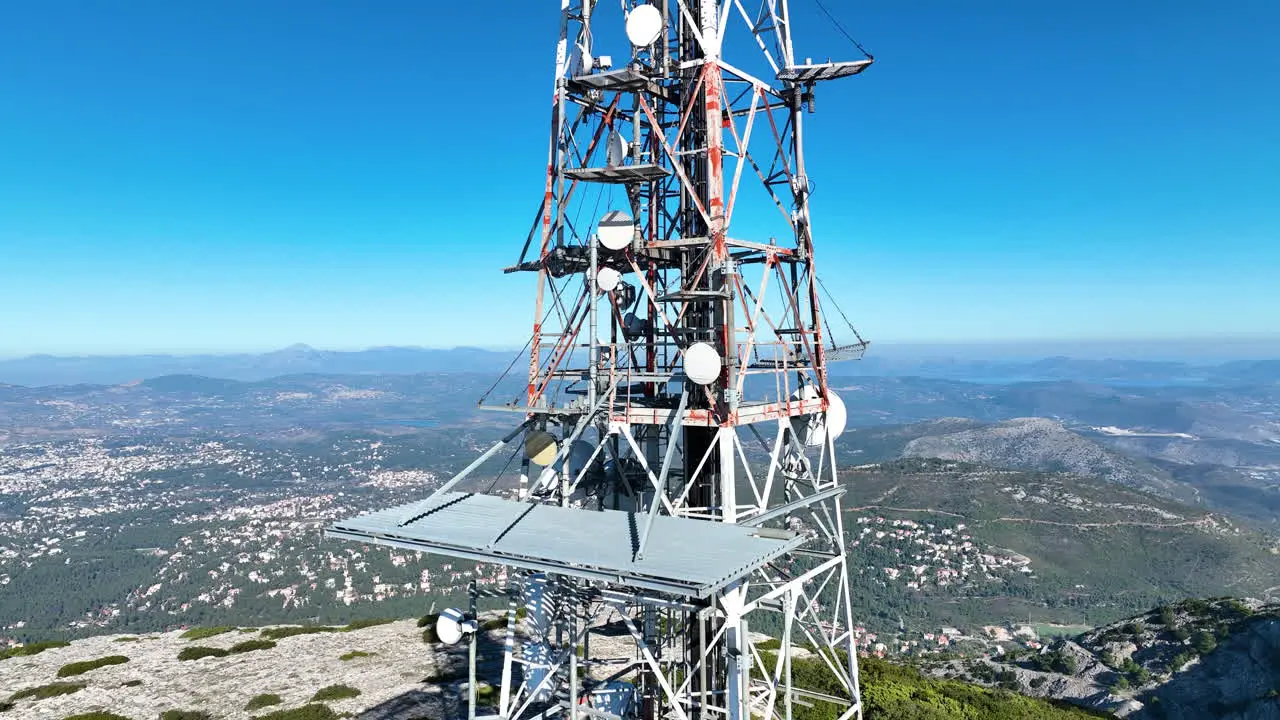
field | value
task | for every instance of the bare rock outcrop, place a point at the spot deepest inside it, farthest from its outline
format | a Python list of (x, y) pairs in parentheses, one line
[(398, 675), (1239, 680)]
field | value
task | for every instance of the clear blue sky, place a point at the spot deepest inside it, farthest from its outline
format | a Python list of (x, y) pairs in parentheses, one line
[(236, 175)]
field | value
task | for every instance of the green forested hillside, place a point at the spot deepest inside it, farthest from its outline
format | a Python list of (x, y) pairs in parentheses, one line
[(899, 692), (1095, 551)]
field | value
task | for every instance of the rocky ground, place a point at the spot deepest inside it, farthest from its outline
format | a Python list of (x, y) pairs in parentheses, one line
[(402, 677), (1189, 661), (399, 676)]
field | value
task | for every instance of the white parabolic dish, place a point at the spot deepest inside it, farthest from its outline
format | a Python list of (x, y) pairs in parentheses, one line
[(607, 279), (616, 149), (540, 447), (615, 230), (452, 625), (644, 25), (702, 363), (813, 429)]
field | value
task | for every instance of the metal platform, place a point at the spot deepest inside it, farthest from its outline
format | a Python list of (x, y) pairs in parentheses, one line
[(685, 557), (619, 175), (613, 80), (822, 71)]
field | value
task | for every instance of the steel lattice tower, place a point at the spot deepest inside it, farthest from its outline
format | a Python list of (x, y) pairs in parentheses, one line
[(677, 374)]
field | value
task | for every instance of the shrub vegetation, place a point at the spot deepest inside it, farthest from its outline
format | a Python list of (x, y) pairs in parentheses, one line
[(31, 649), (899, 692), (250, 646), (335, 692), (371, 622), (185, 715), (41, 692), (258, 702), (353, 655), (195, 652), (84, 666), (280, 633), (1204, 642), (200, 633), (306, 712)]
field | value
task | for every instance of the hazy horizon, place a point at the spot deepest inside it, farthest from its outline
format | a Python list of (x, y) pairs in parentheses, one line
[(1190, 349)]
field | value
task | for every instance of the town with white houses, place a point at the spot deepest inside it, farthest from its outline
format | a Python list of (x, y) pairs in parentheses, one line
[(194, 532)]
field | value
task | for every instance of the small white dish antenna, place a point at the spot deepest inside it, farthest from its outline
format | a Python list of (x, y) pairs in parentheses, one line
[(540, 447), (607, 279), (452, 626), (813, 429), (615, 149), (615, 230), (644, 25), (702, 363)]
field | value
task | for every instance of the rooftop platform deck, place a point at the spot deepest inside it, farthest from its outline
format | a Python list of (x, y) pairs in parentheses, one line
[(684, 557)]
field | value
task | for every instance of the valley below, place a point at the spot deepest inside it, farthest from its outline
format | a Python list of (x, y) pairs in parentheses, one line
[(985, 522)]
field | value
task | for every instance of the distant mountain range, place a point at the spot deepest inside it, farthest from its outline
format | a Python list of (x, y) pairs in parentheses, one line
[(39, 370), (1239, 477)]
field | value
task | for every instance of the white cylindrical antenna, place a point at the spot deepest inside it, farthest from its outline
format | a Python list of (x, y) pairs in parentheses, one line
[(644, 25), (607, 279), (702, 363), (814, 428), (615, 149), (615, 230), (452, 626)]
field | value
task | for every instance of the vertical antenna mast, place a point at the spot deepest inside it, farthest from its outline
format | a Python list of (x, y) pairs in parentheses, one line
[(679, 483)]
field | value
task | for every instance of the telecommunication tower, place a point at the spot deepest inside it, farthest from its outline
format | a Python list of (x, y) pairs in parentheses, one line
[(678, 481)]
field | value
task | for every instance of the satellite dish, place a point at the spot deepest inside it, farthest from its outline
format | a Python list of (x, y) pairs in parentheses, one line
[(814, 428), (452, 626), (615, 230), (644, 25), (615, 149), (702, 363), (607, 279), (540, 447)]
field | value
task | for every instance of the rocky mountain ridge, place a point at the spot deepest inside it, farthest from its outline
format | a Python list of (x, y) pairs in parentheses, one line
[(1196, 659), (1047, 445)]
